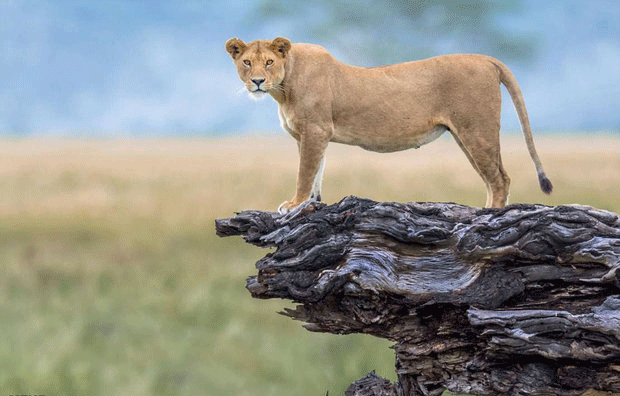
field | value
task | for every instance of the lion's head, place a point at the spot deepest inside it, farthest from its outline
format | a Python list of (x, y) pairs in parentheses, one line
[(260, 63)]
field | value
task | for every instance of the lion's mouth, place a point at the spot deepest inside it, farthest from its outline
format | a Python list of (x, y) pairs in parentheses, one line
[(257, 89), (257, 93)]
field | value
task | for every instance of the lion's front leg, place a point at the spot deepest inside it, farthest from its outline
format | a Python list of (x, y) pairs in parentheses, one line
[(312, 147), (315, 195)]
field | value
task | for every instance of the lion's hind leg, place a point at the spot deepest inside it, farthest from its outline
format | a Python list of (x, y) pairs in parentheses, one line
[(484, 155)]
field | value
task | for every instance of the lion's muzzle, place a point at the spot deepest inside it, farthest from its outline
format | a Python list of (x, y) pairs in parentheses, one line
[(257, 85)]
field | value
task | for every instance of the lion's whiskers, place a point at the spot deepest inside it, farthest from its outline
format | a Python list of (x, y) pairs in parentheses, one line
[(280, 88), (241, 91)]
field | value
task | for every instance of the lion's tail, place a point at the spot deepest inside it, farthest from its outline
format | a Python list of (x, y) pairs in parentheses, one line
[(510, 82)]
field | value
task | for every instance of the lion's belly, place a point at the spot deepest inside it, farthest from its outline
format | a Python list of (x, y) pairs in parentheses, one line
[(387, 143)]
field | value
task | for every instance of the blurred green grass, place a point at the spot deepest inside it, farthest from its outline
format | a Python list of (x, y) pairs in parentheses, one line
[(113, 281), (90, 307)]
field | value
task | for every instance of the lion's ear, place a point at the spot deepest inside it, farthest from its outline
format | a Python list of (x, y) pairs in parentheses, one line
[(235, 47), (281, 46)]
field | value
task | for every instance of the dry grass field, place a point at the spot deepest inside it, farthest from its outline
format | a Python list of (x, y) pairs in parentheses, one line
[(112, 280)]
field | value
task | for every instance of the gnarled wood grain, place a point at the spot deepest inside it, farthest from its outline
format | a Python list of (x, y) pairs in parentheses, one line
[(522, 300)]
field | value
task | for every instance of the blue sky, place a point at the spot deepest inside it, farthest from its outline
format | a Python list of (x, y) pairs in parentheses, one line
[(157, 68)]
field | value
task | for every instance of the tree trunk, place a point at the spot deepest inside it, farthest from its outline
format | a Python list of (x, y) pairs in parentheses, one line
[(522, 300)]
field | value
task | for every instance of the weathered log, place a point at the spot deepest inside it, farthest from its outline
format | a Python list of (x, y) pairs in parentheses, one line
[(523, 300)]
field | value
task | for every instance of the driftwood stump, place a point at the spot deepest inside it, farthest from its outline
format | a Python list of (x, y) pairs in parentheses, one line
[(522, 300)]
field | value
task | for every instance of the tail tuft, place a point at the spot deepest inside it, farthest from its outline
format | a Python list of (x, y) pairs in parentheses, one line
[(545, 183)]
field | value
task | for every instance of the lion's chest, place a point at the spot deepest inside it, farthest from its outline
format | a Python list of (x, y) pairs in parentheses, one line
[(286, 123)]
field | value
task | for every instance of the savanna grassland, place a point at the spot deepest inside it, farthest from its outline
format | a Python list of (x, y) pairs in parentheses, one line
[(112, 280)]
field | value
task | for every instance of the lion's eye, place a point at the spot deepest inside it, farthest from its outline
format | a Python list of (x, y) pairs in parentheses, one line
[(247, 62), (269, 62)]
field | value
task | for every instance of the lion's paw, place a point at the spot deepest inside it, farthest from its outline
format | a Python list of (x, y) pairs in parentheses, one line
[(287, 207), (290, 208)]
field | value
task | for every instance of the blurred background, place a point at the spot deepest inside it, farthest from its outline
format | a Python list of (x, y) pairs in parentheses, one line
[(125, 132), (119, 68)]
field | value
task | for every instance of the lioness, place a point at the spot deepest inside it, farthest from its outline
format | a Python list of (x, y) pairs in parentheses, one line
[(384, 109)]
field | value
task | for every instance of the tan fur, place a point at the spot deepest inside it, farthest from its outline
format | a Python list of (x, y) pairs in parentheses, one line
[(384, 109)]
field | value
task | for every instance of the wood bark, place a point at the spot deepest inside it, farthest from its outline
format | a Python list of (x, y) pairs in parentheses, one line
[(523, 300)]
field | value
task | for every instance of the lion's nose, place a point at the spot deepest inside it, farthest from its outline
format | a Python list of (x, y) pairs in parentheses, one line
[(258, 81)]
